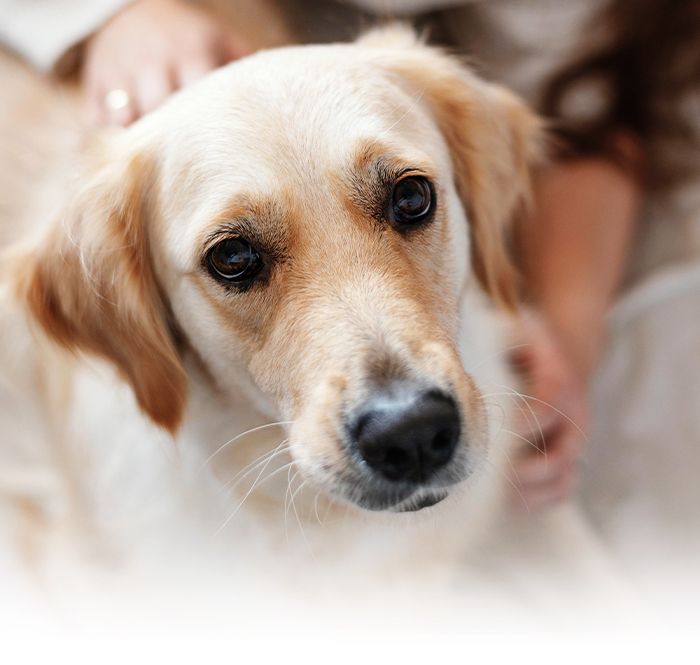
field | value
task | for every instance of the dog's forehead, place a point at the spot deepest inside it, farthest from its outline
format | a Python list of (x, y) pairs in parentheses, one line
[(297, 110), (291, 119)]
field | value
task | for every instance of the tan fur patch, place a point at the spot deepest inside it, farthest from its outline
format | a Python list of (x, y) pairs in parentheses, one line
[(92, 288)]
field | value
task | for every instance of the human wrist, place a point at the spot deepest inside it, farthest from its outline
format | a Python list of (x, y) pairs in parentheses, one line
[(580, 335)]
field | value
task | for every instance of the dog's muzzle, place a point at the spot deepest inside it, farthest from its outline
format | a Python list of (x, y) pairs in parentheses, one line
[(404, 442)]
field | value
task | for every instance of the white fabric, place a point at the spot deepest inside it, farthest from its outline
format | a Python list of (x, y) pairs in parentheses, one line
[(640, 478), (42, 31)]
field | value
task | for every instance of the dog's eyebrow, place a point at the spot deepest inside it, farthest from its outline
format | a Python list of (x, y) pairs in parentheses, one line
[(256, 218), (250, 207), (373, 169), (376, 159), (368, 152)]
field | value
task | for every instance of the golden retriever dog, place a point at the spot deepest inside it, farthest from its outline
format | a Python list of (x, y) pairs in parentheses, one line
[(307, 251)]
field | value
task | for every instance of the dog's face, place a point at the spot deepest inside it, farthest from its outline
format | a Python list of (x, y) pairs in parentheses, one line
[(303, 221)]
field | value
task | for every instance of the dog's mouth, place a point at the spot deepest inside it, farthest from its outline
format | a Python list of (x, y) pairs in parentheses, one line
[(421, 501), (408, 503)]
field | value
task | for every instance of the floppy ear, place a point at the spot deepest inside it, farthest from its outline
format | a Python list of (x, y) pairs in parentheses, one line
[(495, 143), (92, 287)]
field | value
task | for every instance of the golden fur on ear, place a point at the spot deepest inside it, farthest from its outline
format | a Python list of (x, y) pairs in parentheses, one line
[(92, 287), (495, 142)]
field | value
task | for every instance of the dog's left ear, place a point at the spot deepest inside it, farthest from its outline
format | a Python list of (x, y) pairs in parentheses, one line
[(91, 285), (495, 143)]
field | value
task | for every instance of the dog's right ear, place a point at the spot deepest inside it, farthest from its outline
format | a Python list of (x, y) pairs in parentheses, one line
[(92, 287)]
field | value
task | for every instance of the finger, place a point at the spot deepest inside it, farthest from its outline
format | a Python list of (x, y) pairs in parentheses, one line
[(562, 438), (543, 482), (113, 101), (537, 495), (153, 87), (549, 493), (92, 106), (547, 402), (122, 116), (539, 471), (233, 48), (561, 453), (561, 448), (538, 442), (94, 94), (192, 70), (99, 81), (533, 418)]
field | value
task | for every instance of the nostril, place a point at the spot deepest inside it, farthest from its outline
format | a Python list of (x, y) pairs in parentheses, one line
[(441, 448), (397, 464), (393, 462), (442, 441)]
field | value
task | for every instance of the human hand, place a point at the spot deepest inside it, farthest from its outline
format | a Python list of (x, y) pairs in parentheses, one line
[(147, 51), (553, 415)]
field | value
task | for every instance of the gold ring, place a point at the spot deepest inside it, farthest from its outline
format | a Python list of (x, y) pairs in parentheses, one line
[(116, 100)]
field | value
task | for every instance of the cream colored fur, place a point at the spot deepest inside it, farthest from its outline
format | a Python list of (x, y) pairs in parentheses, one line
[(126, 370)]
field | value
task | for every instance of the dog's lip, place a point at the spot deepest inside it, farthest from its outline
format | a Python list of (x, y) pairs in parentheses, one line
[(412, 505), (411, 502)]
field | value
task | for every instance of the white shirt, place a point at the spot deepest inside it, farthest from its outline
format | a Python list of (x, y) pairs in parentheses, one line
[(41, 31)]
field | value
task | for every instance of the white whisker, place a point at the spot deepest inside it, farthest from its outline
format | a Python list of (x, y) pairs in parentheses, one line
[(524, 439), (268, 456), (318, 519), (257, 482), (290, 480), (296, 514), (547, 404), (239, 436), (510, 482), (513, 394)]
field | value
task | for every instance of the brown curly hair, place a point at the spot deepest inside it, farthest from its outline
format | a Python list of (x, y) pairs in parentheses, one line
[(645, 58)]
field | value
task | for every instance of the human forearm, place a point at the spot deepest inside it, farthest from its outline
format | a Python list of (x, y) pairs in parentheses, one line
[(574, 249)]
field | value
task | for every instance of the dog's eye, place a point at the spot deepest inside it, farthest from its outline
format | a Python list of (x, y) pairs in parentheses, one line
[(234, 260), (411, 201)]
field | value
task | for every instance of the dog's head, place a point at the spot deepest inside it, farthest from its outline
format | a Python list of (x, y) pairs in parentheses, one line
[(305, 222)]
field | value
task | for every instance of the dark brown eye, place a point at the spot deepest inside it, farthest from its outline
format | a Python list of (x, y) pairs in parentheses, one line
[(234, 260), (411, 201)]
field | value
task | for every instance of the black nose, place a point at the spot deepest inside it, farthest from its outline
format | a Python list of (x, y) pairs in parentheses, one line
[(407, 438)]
